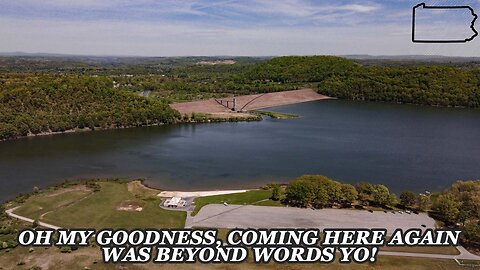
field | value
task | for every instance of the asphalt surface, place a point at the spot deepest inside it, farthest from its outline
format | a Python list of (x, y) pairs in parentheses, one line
[(249, 216)]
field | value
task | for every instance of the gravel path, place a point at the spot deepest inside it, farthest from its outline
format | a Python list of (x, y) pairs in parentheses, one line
[(42, 224)]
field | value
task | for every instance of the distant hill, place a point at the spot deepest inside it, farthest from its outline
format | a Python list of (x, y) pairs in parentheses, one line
[(436, 85)]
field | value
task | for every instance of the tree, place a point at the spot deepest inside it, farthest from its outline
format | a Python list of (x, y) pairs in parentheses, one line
[(375, 194), (276, 193), (460, 205), (298, 193), (448, 207), (423, 201), (313, 190), (321, 197), (408, 199), (349, 194)]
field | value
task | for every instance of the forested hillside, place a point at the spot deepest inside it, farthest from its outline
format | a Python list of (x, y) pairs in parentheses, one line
[(39, 95), (49, 103), (342, 78)]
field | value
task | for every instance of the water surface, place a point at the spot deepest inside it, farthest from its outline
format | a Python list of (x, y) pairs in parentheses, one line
[(405, 147)]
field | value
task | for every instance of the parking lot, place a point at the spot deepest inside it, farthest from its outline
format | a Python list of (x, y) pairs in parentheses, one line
[(248, 216)]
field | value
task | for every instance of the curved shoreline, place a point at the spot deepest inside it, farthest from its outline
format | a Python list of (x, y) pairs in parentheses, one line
[(212, 111)]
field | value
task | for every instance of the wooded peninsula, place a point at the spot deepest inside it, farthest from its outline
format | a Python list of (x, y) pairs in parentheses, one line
[(42, 95)]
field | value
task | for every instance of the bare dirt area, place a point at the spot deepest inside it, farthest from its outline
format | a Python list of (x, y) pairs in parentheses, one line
[(131, 205), (248, 102), (261, 101)]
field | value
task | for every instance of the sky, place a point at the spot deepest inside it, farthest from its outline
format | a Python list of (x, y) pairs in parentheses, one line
[(225, 27)]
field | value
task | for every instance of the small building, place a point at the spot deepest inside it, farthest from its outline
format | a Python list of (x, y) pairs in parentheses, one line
[(174, 202)]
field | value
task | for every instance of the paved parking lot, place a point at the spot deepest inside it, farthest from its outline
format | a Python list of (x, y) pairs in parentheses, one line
[(249, 216)]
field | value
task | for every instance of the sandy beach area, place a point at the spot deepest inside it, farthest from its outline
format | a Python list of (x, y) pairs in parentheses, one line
[(186, 194)]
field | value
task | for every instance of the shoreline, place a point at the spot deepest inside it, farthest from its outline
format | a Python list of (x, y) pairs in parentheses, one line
[(208, 111)]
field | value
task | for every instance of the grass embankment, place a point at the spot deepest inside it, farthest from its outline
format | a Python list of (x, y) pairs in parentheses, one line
[(257, 197), (420, 249), (72, 208), (276, 115), (470, 263), (90, 257)]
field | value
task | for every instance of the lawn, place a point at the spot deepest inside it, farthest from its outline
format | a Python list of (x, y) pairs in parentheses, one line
[(420, 249), (42, 203), (52, 258), (276, 115), (99, 209), (257, 197)]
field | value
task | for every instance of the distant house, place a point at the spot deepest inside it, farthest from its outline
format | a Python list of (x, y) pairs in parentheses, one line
[(174, 202)]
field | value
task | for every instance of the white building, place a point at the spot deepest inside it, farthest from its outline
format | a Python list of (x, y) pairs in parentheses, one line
[(174, 202)]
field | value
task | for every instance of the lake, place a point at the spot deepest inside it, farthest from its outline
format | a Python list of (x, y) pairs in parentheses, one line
[(405, 147)]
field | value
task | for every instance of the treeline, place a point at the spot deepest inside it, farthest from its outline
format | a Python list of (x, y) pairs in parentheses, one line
[(345, 79), (56, 103), (319, 191), (458, 206), (431, 85)]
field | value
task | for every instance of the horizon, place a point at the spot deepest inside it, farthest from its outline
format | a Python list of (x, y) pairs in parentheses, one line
[(54, 54), (251, 28)]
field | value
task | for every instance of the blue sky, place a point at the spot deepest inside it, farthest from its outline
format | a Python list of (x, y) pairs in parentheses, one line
[(219, 27)]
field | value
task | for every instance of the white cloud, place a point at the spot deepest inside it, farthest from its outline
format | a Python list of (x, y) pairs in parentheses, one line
[(174, 39), (305, 29)]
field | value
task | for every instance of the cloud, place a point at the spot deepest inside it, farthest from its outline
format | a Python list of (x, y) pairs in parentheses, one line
[(201, 27)]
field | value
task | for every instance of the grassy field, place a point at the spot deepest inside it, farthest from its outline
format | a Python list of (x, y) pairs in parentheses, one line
[(40, 204), (88, 209), (257, 197), (419, 249), (52, 258), (276, 115)]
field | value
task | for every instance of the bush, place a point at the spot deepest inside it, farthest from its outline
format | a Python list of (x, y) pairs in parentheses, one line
[(408, 199), (276, 193), (65, 250)]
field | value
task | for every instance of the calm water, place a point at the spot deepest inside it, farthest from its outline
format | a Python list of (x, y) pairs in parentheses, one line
[(402, 146)]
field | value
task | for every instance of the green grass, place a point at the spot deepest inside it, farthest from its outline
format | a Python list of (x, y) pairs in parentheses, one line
[(37, 205), (51, 258), (276, 115), (469, 262), (419, 249), (249, 197), (99, 210)]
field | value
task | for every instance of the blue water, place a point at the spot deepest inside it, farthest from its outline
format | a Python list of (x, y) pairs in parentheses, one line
[(404, 147)]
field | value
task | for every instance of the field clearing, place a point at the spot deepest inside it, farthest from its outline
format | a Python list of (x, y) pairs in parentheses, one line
[(101, 209), (248, 102), (36, 206), (52, 258)]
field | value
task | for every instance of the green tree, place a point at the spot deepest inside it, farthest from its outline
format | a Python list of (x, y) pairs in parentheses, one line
[(349, 194), (408, 199), (448, 207), (423, 202), (276, 193)]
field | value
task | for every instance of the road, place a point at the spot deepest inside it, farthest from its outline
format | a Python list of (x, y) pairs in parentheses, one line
[(42, 224)]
